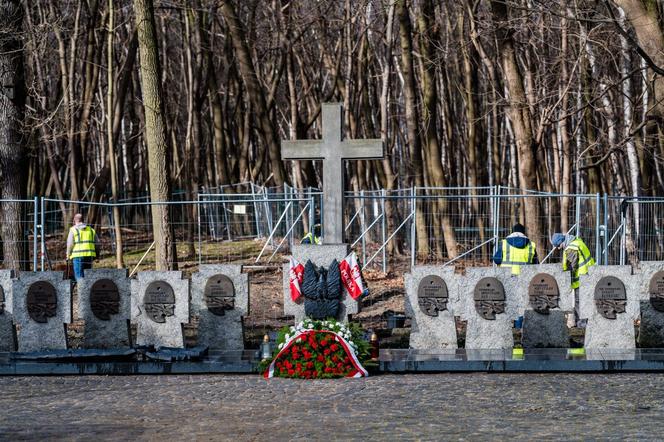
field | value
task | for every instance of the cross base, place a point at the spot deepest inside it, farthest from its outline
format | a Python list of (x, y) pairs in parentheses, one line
[(320, 255)]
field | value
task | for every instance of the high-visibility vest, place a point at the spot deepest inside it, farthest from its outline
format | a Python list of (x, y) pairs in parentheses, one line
[(313, 239), (84, 242), (584, 257), (515, 257)]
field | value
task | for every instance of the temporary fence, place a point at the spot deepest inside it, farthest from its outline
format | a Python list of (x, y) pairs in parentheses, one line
[(422, 225), (447, 225), (19, 240)]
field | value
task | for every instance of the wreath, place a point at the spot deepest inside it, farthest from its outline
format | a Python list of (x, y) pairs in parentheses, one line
[(318, 350)]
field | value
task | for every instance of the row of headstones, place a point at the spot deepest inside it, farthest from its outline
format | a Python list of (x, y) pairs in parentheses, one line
[(38, 305), (490, 299)]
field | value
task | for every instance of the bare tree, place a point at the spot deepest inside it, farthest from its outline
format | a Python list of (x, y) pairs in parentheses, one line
[(13, 164), (155, 135)]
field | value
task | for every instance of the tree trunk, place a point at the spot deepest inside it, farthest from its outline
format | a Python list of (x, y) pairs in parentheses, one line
[(255, 91), (155, 135), (432, 147), (13, 153), (112, 158), (520, 118), (412, 120), (645, 19)]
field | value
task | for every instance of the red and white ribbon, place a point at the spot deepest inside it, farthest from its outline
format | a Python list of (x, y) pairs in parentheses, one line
[(295, 277), (351, 276)]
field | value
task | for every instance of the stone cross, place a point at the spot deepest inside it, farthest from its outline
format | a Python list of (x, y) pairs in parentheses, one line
[(332, 150)]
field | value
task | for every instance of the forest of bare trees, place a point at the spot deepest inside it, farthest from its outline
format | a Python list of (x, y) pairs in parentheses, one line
[(106, 99)]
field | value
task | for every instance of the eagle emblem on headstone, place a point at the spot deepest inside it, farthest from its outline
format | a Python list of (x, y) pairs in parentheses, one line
[(322, 290)]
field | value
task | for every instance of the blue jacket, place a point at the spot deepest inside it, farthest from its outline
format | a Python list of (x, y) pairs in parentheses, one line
[(517, 240)]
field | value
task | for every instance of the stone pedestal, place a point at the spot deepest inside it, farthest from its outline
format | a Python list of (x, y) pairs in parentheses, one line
[(544, 331), (320, 255), (645, 272), (159, 307), (601, 332), (651, 294), (220, 298), (42, 307), (104, 303), (7, 333), (651, 332), (432, 298), (545, 293), (482, 333)]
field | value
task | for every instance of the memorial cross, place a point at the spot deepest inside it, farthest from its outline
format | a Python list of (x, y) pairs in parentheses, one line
[(332, 150)]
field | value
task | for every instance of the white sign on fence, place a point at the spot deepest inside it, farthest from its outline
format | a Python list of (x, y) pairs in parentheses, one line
[(239, 209)]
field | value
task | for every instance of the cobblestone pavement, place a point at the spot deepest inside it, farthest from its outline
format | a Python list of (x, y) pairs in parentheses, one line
[(403, 407)]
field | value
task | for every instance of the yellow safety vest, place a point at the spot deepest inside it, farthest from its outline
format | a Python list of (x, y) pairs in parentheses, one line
[(84, 242), (515, 257), (313, 239), (585, 260)]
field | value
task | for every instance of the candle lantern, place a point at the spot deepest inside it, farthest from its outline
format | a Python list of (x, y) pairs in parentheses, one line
[(266, 348)]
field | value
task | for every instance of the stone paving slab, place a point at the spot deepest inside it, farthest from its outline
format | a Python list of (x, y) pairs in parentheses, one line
[(392, 407), (391, 361)]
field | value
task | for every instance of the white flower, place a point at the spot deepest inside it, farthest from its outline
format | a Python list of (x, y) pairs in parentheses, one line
[(281, 346)]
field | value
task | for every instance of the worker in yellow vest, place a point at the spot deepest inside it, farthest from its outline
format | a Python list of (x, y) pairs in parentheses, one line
[(577, 260), (312, 237), (516, 250), (81, 246)]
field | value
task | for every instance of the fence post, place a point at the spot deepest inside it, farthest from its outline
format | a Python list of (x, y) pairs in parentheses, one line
[(312, 211), (362, 227), (43, 246), (253, 197), (34, 234), (268, 212), (413, 249), (200, 243), (496, 219), (382, 212), (228, 225), (623, 234), (598, 246), (577, 214), (606, 229)]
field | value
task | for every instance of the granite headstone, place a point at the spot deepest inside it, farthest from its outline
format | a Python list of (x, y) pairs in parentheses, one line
[(160, 306), (7, 334), (651, 290), (545, 292), (609, 300), (432, 300), (491, 303), (42, 307), (104, 303), (220, 298)]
